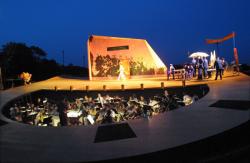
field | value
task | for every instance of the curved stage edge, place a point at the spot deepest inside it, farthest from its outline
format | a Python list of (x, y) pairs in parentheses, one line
[(26, 143)]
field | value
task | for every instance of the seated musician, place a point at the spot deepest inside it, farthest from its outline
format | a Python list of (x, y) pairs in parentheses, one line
[(85, 99), (107, 117), (40, 117), (154, 105), (130, 99), (166, 96), (108, 99), (142, 101), (100, 99), (99, 118), (121, 110), (92, 112), (134, 98), (187, 99), (78, 104)]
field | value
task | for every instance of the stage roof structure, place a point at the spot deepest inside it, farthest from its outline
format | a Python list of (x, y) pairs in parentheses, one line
[(108, 57)]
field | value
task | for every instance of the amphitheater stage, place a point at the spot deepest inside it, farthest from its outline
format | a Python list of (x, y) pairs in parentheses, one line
[(207, 117)]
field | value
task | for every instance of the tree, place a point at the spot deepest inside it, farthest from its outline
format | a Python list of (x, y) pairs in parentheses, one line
[(18, 58), (38, 52)]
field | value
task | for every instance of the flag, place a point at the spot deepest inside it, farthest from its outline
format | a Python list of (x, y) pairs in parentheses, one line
[(216, 41)]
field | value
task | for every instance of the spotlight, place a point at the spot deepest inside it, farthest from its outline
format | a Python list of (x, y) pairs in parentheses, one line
[(122, 87)]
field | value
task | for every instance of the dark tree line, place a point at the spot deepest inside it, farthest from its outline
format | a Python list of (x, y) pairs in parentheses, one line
[(16, 58)]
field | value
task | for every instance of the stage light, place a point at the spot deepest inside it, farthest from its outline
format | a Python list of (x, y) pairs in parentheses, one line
[(162, 85), (142, 86), (104, 87), (122, 87)]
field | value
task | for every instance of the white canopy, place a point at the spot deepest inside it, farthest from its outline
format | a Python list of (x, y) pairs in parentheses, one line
[(198, 54)]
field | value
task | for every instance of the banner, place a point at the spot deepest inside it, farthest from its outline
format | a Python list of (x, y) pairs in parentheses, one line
[(236, 57), (216, 41)]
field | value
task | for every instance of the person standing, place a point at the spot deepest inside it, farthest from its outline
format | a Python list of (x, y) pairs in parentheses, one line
[(205, 66), (172, 70), (121, 73), (224, 65), (200, 68), (194, 66), (218, 67), (62, 110)]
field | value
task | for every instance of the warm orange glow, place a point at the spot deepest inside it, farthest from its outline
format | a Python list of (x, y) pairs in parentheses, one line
[(135, 55)]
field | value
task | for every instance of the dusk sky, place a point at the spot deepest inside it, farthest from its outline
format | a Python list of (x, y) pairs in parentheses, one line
[(172, 27)]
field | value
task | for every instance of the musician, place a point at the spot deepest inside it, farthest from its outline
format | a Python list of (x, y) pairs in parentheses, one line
[(142, 101), (78, 104), (99, 118), (40, 117), (39, 103), (187, 99), (147, 111), (86, 99), (108, 99), (165, 96), (107, 117), (100, 99), (134, 98), (154, 105), (62, 109)]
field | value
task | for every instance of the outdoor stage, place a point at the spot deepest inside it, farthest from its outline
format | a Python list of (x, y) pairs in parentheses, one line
[(67, 83), (27, 143)]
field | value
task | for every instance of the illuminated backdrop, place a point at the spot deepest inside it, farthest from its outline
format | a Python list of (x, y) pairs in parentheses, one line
[(107, 54)]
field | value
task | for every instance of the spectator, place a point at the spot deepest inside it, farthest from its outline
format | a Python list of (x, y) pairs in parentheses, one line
[(218, 66), (172, 69), (200, 68), (205, 66), (224, 65)]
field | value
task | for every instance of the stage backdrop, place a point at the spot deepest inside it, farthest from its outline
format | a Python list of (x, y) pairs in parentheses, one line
[(106, 55)]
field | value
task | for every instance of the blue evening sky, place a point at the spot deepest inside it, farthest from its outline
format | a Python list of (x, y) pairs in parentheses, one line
[(173, 28)]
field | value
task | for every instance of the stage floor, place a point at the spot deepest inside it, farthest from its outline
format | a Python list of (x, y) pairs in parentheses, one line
[(26, 143), (64, 83)]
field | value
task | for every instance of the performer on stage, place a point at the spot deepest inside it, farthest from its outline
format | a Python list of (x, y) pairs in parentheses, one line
[(121, 73)]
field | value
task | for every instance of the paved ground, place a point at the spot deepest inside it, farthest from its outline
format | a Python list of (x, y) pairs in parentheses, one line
[(25, 143)]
